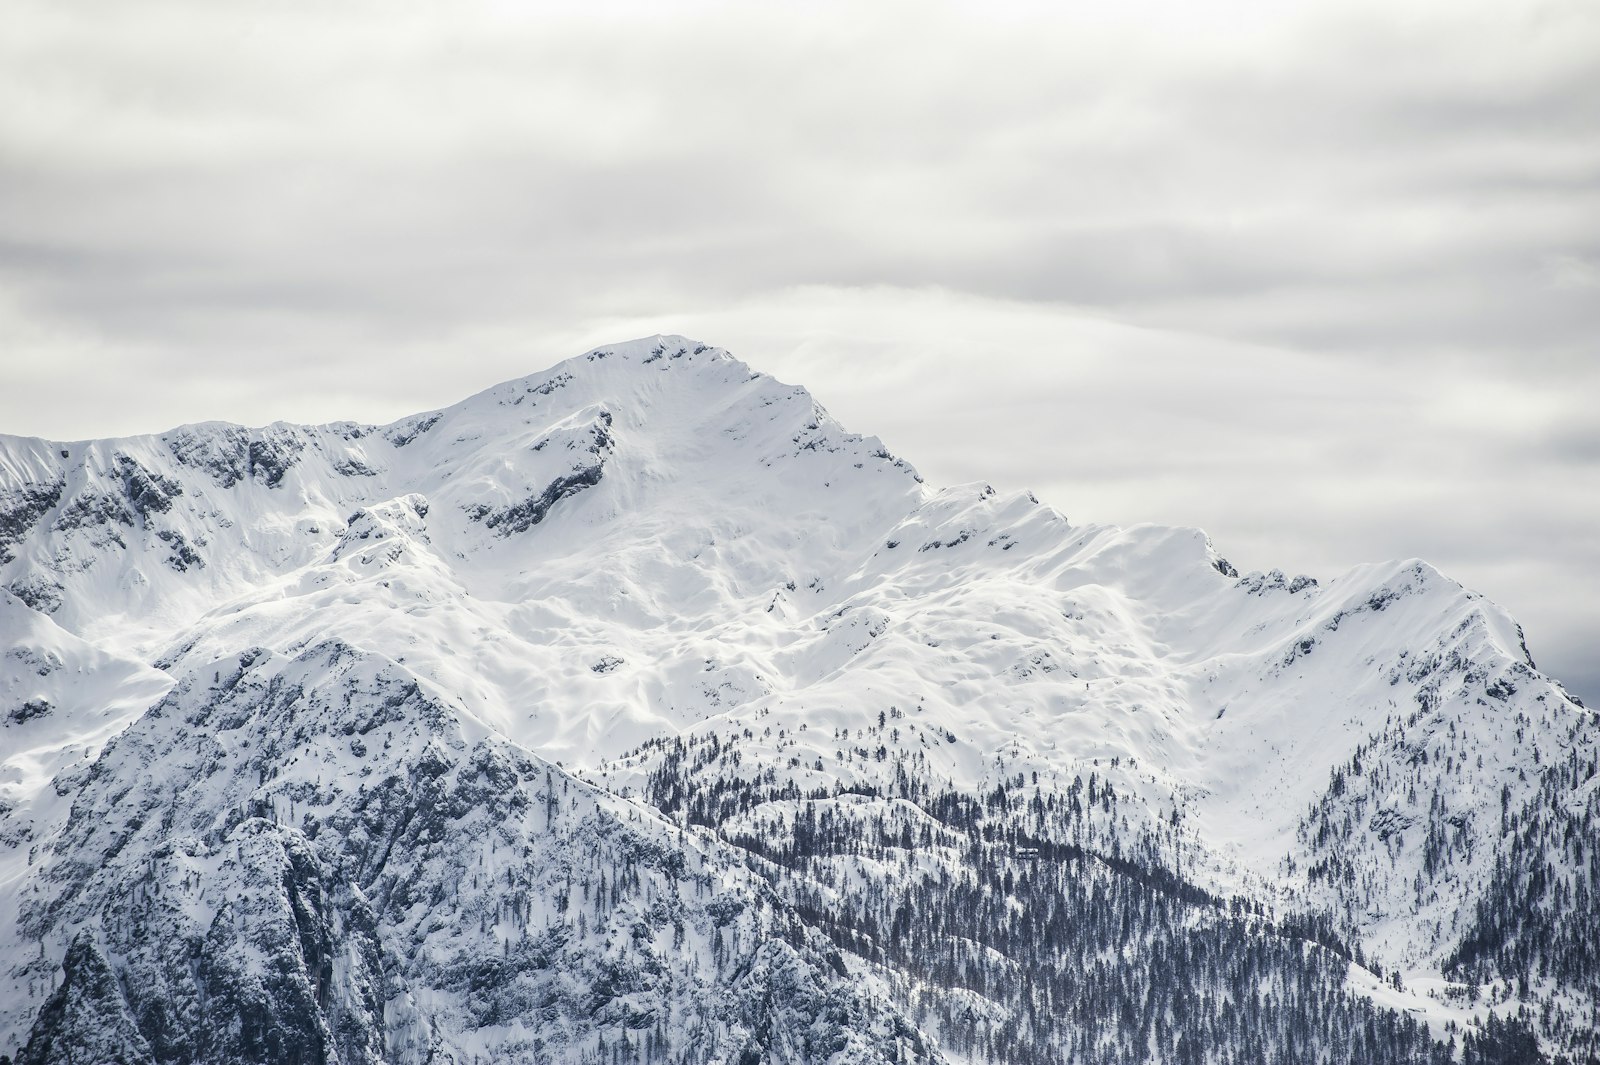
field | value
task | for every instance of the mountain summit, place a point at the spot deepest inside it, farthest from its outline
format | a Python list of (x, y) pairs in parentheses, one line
[(637, 711)]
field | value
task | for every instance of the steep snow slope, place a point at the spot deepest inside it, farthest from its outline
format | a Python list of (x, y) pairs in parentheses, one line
[(686, 582), (736, 487), (61, 699)]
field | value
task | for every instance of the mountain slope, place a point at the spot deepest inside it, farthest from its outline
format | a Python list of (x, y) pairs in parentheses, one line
[(927, 720)]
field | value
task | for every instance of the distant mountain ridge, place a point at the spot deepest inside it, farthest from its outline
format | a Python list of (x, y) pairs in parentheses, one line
[(637, 711)]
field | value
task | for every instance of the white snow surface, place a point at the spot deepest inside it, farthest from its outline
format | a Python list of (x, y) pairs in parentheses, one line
[(652, 540)]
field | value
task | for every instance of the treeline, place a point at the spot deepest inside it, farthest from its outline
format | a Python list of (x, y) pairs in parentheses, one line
[(1042, 926)]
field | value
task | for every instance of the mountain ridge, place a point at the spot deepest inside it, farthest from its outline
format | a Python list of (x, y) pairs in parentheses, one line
[(684, 584)]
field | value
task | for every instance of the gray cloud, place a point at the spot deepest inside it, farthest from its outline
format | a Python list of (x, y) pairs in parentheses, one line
[(1319, 277)]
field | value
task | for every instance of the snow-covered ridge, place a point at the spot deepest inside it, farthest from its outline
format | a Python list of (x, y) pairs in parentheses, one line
[(684, 581)]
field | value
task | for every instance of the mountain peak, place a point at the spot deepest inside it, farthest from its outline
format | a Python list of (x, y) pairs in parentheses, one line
[(653, 614)]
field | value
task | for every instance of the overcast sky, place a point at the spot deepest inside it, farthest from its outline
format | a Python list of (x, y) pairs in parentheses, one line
[(1321, 278)]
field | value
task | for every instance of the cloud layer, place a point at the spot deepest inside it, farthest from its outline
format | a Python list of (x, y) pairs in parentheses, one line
[(1322, 278)]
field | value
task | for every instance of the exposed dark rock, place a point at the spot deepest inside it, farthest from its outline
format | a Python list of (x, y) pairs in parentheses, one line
[(148, 493), (520, 517), (99, 514), (1380, 600), (410, 429), (1275, 581), (560, 380), (222, 452), (87, 1019), (354, 467), (954, 541), (183, 556), (21, 508), (43, 663), (272, 455), (1299, 650), (29, 710), (39, 592)]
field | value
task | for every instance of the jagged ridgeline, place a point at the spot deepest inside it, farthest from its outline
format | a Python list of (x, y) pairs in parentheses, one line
[(635, 711)]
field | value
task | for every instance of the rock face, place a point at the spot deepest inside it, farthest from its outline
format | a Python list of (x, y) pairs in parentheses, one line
[(636, 711), (311, 860)]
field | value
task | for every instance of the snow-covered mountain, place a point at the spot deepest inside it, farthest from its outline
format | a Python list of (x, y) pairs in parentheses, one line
[(636, 711)]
